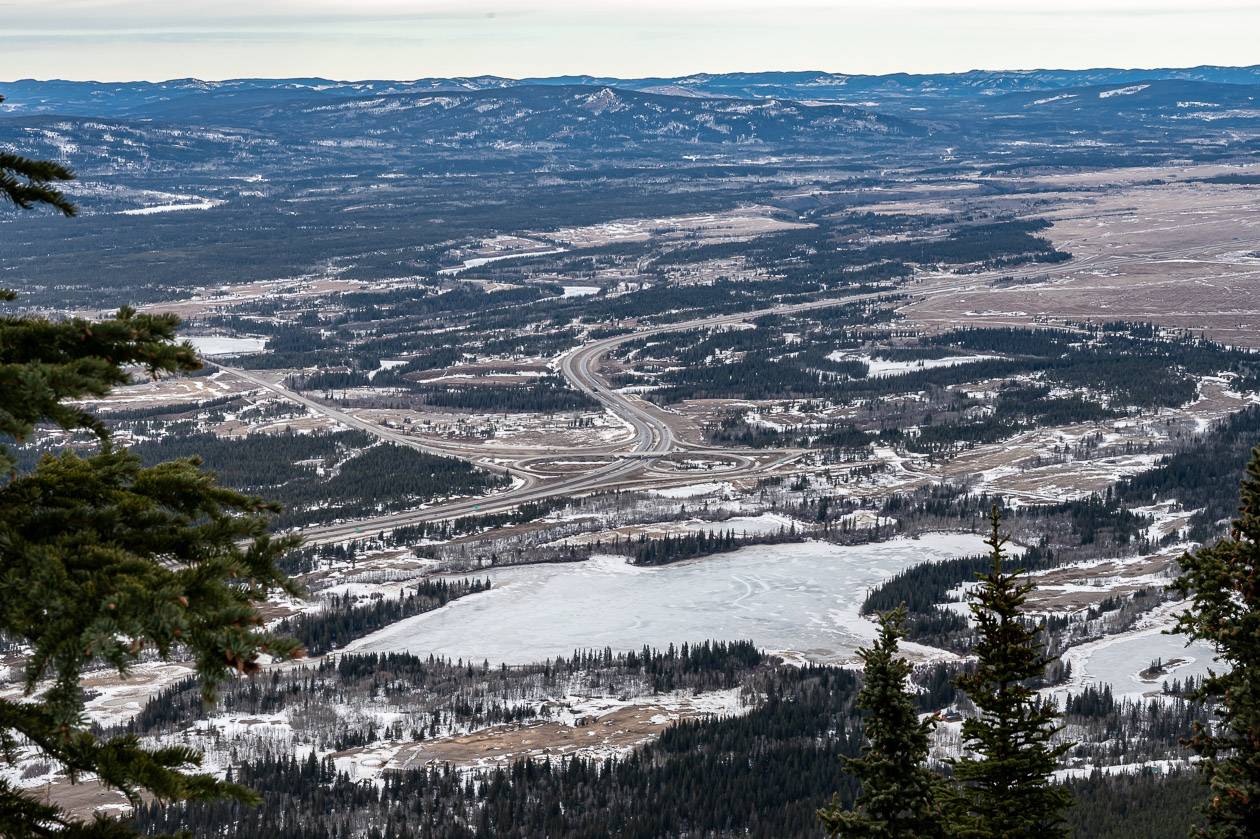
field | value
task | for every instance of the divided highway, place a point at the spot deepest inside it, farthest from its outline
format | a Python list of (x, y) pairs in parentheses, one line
[(653, 435)]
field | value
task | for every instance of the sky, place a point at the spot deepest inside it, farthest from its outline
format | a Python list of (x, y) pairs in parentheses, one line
[(114, 40)]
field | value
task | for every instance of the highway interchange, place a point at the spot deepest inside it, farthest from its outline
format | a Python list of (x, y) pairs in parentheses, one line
[(627, 463)]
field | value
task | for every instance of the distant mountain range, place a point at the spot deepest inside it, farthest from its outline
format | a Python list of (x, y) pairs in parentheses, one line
[(297, 122), (264, 126), (569, 116), (71, 98)]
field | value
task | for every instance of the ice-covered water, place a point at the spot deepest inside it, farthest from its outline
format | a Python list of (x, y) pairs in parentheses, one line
[(800, 598), (1118, 662)]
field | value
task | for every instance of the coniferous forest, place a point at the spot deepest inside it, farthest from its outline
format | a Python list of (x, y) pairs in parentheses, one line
[(764, 774)]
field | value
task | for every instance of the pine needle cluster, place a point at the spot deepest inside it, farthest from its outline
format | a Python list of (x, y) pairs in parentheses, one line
[(1222, 584), (106, 562)]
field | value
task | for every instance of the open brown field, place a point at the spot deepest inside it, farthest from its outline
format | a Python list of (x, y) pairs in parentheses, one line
[(1149, 245)]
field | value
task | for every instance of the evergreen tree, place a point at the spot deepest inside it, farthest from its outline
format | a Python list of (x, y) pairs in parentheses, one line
[(899, 796), (26, 182), (1005, 788), (101, 558), (1223, 584)]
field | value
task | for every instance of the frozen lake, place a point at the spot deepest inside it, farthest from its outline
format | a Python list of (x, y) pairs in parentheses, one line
[(1118, 661), (797, 598)]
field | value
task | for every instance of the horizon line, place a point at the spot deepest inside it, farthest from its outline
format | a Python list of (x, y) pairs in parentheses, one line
[(701, 73)]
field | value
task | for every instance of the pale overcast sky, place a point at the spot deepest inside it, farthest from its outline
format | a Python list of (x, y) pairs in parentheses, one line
[(406, 39)]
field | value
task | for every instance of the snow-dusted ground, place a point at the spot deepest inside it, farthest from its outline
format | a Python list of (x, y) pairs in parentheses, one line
[(224, 344), (797, 598), (866, 519), (203, 204), (880, 368), (694, 490), (750, 525), (223, 737), (1161, 767), (478, 261)]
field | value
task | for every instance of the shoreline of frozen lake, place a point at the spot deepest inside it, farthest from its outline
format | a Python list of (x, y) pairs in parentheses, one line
[(1117, 660), (801, 598)]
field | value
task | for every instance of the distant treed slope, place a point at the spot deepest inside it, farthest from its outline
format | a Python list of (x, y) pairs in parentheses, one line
[(144, 98), (509, 121), (221, 125), (821, 86), (584, 116), (198, 126)]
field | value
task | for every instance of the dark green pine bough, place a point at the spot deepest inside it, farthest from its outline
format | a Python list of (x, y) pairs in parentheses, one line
[(1222, 582), (105, 561)]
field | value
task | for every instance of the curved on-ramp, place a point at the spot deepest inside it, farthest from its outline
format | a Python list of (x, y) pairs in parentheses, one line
[(580, 366)]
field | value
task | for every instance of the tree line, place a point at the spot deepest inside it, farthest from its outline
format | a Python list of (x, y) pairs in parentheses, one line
[(320, 477), (664, 550), (345, 618)]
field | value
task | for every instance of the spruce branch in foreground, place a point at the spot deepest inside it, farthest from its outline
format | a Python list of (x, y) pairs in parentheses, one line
[(102, 559), (1222, 582)]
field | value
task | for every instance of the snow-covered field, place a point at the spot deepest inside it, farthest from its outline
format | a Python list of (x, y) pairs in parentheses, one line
[(478, 261), (801, 599), (202, 204), (225, 344), (880, 368), (694, 490)]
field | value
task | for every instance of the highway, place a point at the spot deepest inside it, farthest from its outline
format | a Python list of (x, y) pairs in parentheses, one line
[(351, 421), (653, 436)]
